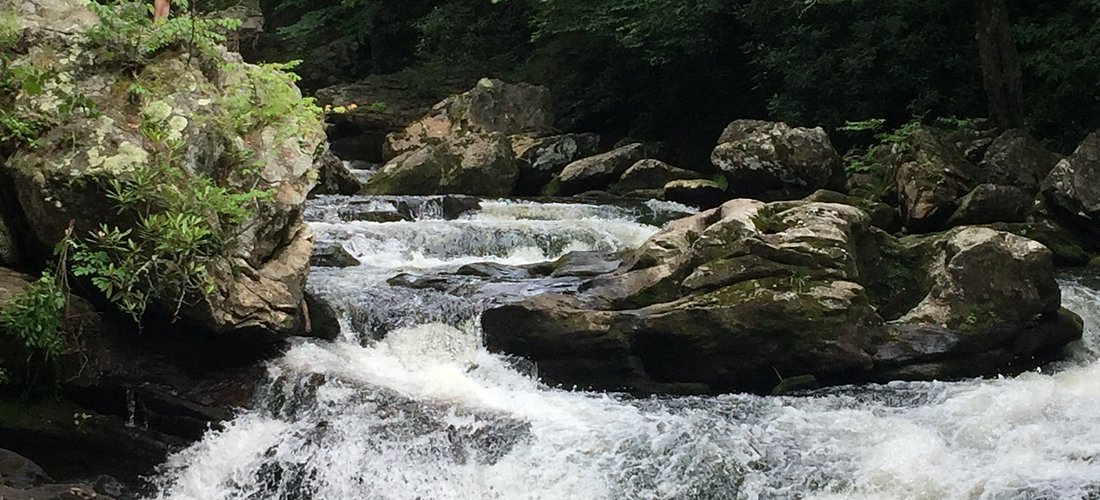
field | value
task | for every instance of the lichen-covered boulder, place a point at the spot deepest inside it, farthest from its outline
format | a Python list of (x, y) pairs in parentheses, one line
[(104, 122), (749, 294), (542, 158), (491, 106), (480, 164), (595, 172), (774, 161), (1073, 186), (650, 174), (931, 177)]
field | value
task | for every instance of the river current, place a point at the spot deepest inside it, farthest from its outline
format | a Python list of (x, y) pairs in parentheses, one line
[(407, 404)]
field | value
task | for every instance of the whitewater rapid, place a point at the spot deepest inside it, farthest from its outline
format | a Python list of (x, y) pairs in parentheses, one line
[(427, 413)]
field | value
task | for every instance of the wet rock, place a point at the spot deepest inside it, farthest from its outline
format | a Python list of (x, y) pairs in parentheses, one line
[(989, 203), (53, 492), (700, 193), (931, 178), (650, 174), (1073, 187), (334, 255), (334, 177), (17, 471), (1016, 159), (595, 172), (578, 264), (492, 106), (479, 164), (771, 160), (324, 323), (541, 159), (493, 271), (741, 297)]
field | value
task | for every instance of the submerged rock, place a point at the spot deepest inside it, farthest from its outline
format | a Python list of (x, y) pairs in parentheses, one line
[(773, 161), (747, 295)]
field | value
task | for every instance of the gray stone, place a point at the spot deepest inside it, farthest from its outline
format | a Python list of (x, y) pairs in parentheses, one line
[(771, 160), (595, 172)]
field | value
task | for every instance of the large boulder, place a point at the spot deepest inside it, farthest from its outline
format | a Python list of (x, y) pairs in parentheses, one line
[(540, 159), (259, 287), (595, 172), (1016, 159), (990, 203), (480, 164), (747, 295), (492, 106), (702, 193), (931, 177), (772, 160), (1073, 186)]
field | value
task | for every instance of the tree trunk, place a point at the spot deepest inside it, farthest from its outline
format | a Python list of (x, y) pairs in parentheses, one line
[(1001, 73)]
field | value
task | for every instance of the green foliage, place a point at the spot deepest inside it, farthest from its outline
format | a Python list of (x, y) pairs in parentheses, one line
[(34, 318), (265, 94), (125, 33), (183, 224), (823, 62), (9, 30)]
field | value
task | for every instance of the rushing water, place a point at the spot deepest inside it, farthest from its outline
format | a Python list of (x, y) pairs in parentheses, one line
[(427, 413)]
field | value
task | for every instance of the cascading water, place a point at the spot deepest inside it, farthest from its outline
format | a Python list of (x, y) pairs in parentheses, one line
[(427, 413)]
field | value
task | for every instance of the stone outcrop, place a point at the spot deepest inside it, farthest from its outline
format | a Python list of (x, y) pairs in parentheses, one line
[(492, 106), (744, 296), (1073, 186), (540, 159), (773, 161), (595, 172), (481, 164), (261, 289), (333, 177)]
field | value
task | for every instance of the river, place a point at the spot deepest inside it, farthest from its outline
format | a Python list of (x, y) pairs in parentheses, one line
[(407, 404)]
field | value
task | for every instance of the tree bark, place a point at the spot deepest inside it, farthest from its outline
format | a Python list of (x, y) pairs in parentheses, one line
[(1001, 72), (160, 10)]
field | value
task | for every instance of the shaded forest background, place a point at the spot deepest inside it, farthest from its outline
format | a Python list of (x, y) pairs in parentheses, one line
[(676, 71)]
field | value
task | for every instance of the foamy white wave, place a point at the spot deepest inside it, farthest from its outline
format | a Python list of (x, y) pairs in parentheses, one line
[(427, 412)]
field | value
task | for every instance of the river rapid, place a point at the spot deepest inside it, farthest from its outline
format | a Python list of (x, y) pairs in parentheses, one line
[(407, 404)]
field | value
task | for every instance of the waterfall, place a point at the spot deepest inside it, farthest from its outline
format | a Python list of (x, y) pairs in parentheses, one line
[(407, 404)]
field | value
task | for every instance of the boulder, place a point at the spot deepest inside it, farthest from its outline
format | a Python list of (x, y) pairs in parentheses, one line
[(748, 295), (1016, 159), (333, 255), (334, 177), (700, 193), (492, 106), (595, 172), (1073, 187), (989, 203), (541, 159), (650, 174), (479, 164), (17, 471), (931, 177), (259, 287), (771, 160)]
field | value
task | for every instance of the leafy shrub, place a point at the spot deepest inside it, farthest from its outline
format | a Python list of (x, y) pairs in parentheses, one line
[(34, 318), (126, 35), (266, 94)]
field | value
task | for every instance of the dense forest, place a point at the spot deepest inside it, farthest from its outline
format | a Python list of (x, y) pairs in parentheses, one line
[(671, 70)]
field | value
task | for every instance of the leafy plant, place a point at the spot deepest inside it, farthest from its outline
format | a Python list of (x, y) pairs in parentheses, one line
[(265, 94), (183, 224), (125, 34), (34, 317)]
